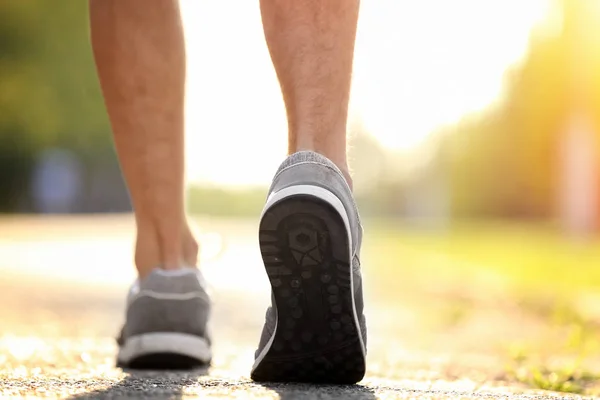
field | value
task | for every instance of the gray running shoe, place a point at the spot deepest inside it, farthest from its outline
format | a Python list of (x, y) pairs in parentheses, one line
[(166, 322), (310, 237)]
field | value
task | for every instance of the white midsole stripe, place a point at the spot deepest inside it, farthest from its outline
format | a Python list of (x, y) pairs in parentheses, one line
[(169, 296), (165, 342), (315, 191)]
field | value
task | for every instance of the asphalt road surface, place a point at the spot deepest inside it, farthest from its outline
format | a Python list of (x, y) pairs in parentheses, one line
[(62, 293)]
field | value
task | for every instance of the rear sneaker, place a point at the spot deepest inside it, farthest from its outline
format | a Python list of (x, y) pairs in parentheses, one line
[(310, 238), (166, 322)]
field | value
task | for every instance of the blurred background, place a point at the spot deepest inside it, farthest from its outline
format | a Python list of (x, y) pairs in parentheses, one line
[(474, 145), (462, 110)]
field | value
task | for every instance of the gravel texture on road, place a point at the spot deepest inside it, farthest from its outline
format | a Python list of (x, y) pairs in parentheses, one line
[(57, 330)]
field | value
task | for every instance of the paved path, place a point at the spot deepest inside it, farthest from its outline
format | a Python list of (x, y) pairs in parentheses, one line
[(62, 290)]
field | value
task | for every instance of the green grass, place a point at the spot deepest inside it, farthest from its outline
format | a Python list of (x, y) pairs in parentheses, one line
[(546, 275), (528, 257), (568, 379)]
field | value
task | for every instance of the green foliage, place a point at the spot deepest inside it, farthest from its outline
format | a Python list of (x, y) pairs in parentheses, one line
[(49, 95), (566, 379), (569, 376), (503, 161)]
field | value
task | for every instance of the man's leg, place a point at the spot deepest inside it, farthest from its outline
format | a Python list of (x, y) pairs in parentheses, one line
[(311, 44), (310, 232), (140, 56)]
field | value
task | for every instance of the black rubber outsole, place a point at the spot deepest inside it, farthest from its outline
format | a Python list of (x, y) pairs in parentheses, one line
[(304, 247), (164, 361)]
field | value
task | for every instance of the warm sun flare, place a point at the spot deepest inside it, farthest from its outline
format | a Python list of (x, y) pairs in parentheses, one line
[(418, 65)]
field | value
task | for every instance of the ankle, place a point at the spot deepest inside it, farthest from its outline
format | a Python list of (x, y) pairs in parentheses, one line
[(190, 248), (167, 251)]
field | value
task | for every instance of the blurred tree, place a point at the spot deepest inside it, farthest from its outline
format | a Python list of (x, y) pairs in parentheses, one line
[(49, 95), (503, 161), (17, 147)]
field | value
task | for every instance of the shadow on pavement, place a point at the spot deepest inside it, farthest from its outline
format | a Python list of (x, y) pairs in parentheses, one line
[(297, 391), (147, 385)]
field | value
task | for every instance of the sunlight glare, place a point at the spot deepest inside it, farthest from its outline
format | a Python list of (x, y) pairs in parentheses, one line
[(418, 65), (423, 64), (21, 348)]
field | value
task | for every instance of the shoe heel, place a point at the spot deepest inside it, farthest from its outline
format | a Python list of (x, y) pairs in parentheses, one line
[(306, 248)]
